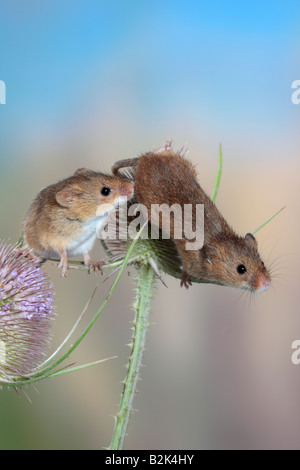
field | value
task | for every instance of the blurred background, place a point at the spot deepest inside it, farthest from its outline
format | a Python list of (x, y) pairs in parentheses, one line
[(89, 83)]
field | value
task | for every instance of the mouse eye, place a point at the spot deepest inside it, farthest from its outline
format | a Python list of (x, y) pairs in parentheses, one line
[(105, 191), (241, 269)]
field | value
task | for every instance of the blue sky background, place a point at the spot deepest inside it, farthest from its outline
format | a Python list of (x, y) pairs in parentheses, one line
[(228, 64)]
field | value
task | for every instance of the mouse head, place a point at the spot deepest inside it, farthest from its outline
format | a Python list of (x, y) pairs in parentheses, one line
[(89, 194), (234, 261)]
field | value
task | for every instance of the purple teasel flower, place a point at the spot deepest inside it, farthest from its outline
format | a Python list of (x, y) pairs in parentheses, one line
[(26, 313)]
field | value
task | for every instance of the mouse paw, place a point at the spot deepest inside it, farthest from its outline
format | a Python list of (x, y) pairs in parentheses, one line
[(185, 280), (93, 265), (96, 266), (63, 265)]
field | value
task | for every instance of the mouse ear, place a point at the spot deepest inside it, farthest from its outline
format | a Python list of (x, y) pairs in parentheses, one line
[(65, 197), (82, 171), (208, 252), (251, 240)]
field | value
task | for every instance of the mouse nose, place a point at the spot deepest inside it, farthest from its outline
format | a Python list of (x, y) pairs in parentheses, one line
[(264, 284), (259, 282)]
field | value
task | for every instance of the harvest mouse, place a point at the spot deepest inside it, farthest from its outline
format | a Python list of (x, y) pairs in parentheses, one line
[(63, 218), (166, 177)]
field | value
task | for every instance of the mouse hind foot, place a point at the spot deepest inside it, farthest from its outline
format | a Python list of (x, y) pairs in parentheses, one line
[(63, 264), (185, 280), (93, 265)]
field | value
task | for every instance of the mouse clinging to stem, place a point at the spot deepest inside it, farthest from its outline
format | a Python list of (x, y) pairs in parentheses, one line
[(64, 217), (166, 177)]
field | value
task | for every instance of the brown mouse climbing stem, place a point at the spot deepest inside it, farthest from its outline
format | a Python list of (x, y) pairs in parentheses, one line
[(166, 177)]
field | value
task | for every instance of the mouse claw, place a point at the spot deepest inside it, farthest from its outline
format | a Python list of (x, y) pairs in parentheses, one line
[(63, 264), (185, 280), (64, 269), (94, 266), (63, 273)]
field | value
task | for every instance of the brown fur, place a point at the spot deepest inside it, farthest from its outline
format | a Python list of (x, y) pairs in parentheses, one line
[(167, 177), (58, 214)]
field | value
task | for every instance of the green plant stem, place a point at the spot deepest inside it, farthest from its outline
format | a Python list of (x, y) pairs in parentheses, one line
[(144, 291), (218, 176), (267, 221)]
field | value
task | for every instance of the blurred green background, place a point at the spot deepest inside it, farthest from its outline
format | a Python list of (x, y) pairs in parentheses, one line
[(89, 83)]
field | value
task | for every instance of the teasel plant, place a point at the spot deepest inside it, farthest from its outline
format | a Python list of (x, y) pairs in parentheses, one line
[(27, 313)]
